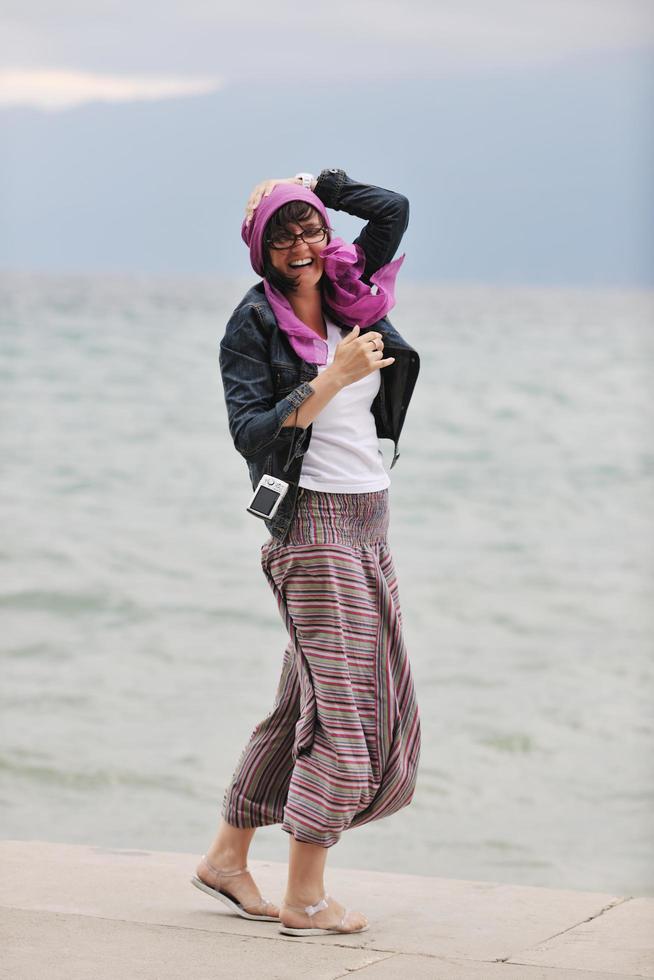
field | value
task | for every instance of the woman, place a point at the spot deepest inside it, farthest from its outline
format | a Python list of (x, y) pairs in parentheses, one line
[(314, 374)]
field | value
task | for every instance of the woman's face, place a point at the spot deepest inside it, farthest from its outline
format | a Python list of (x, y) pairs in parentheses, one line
[(302, 259)]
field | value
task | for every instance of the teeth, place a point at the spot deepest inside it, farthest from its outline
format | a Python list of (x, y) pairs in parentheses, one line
[(300, 262)]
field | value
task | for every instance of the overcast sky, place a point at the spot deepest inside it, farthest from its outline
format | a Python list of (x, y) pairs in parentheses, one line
[(521, 130), (154, 48)]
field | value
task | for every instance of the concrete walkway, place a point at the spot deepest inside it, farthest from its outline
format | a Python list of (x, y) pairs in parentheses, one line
[(91, 913)]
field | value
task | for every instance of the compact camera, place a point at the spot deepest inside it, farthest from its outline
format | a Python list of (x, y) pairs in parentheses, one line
[(267, 497)]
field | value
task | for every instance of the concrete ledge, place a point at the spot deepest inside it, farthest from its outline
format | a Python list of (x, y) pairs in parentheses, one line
[(69, 912)]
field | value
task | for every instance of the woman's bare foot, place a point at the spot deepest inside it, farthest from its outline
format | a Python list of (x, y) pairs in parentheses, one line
[(335, 916), (219, 874)]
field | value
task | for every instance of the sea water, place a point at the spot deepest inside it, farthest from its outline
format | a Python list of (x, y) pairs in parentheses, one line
[(141, 643)]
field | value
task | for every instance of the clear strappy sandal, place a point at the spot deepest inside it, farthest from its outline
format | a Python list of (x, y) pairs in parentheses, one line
[(311, 910), (257, 911)]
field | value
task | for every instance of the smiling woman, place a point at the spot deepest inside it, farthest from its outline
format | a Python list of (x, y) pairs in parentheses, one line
[(314, 374), (291, 227)]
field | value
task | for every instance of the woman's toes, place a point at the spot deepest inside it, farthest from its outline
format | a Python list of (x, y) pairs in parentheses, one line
[(349, 920), (334, 916), (355, 922)]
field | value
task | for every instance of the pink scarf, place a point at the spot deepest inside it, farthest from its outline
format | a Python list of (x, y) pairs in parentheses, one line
[(352, 300)]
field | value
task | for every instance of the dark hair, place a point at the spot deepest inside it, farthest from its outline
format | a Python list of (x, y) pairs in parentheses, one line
[(291, 213)]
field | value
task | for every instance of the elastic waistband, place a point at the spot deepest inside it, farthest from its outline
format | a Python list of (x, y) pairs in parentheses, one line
[(339, 518)]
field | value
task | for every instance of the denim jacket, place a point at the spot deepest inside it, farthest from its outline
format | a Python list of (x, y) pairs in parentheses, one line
[(265, 381)]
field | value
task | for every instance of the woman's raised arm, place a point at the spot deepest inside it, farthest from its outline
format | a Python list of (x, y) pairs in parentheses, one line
[(386, 213)]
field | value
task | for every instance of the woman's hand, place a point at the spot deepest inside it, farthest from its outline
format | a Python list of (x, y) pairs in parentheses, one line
[(356, 356), (263, 190)]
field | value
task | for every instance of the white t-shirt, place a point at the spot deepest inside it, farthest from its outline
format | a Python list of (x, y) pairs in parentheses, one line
[(344, 454)]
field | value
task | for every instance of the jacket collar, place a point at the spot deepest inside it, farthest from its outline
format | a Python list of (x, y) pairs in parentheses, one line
[(393, 339)]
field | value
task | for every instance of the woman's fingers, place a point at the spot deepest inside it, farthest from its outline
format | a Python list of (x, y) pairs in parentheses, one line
[(376, 355), (361, 355), (352, 335), (373, 345), (262, 189), (364, 339), (254, 199)]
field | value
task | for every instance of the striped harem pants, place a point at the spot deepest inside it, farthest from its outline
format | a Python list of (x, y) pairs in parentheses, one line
[(341, 744)]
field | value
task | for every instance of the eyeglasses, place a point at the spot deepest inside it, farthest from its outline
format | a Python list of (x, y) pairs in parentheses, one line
[(311, 236)]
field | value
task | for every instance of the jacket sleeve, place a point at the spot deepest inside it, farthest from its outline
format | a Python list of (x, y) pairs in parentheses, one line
[(386, 213), (256, 419)]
